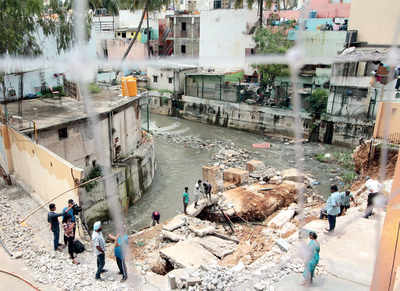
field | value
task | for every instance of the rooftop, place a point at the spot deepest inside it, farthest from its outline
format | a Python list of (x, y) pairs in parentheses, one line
[(51, 112), (363, 54)]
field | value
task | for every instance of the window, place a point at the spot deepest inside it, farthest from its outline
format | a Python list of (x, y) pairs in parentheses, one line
[(124, 35), (183, 26), (62, 133), (170, 80), (183, 49), (217, 4), (155, 79)]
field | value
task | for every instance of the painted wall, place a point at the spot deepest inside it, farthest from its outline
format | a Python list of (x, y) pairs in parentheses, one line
[(223, 39), (388, 121), (321, 44), (117, 48), (376, 22), (41, 171), (386, 271), (163, 79)]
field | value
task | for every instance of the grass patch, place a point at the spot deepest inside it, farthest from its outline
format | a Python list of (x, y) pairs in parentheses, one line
[(94, 88), (348, 178)]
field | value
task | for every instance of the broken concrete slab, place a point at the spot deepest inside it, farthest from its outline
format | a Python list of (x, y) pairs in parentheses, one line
[(293, 174), (171, 236), (287, 228), (188, 253), (282, 244), (254, 165), (217, 246), (202, 230), (282, 218), (175, 223), (201, 204), (236, 176)]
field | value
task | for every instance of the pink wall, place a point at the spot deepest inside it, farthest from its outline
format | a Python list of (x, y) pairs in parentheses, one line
[(324, 9), (117, 47)]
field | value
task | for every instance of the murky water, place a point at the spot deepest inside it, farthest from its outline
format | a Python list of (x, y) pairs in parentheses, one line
[(180, 166)]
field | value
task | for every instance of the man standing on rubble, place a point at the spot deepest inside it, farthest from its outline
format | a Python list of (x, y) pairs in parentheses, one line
[(197, 192), (333, 207), (52, 219), (99, 247), (185, 199)]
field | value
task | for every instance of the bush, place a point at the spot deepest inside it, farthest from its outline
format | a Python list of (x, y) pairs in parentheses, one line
[(94, 88), (94, 173)]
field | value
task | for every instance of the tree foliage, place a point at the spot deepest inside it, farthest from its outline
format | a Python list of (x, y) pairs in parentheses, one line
[(269, 42), (317, 102), (24, 21)]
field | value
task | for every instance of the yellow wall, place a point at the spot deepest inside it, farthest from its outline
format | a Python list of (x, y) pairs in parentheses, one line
[(388, 256), (375, 20), (388, 119), (45, 173)]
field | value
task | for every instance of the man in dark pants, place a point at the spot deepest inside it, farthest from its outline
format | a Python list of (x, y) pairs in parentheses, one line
[(207, 189), (52, 218), (69, 211), (185, 199), (99, 247), (333, 207), (121, 242)]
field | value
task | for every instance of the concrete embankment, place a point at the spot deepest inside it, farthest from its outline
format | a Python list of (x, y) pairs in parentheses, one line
[(264, 120)]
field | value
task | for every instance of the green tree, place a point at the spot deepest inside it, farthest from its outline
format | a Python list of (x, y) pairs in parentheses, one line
[(316, 106), (317, 102), (269, 42), (260, 4)]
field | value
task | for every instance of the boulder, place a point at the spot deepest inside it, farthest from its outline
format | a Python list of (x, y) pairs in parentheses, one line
[(282, 244), (276, 180), (282, 218), (236, 176), (254, 165), (188, 253), (293, 175)]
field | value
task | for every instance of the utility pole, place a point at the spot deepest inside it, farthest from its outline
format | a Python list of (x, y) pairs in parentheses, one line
[(261, 4), (148, 33), (21, 93)]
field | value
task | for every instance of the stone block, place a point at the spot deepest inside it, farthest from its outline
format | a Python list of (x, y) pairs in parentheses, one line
[(282, 218), (254, 165), (276, 180), (213, 175), (236, 176)]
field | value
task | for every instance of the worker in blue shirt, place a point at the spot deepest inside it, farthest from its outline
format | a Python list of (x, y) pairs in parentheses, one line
[(333, 207), (121, 243)]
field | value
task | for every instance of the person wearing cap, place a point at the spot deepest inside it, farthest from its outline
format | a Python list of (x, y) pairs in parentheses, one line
[(121, 243), (99, 248), (312, 259)]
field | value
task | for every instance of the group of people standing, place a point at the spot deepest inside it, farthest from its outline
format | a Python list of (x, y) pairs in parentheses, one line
[(120, 244), (336, 205), (69, 226), (200, 189)]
